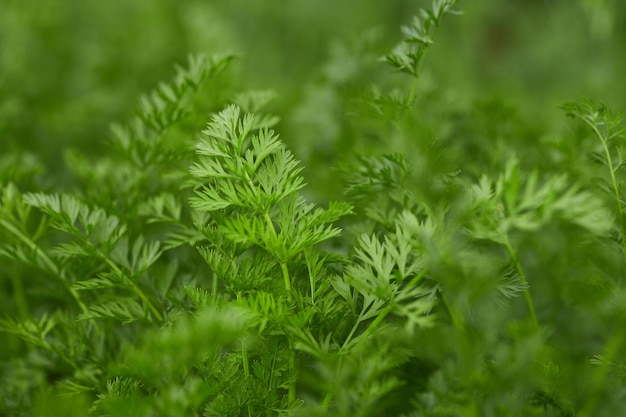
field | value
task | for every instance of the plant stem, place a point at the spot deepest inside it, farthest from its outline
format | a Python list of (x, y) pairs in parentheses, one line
[(520, 271), (311, 276), (327, 400), (349, 338), (18, 290), (419, 68), (287, 280), (292, 375), (291, 395), (413, 91), (246, 369), (283, 264), (49, 263), (214, 287), (292, 352), (372, 327), (456, 322), (272, 384), (620, 207), (146, 300), (135, 287)]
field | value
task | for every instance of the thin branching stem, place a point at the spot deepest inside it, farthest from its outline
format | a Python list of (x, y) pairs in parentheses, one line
[(49, 263), (417, 71), (518, 267), (618, 198), (136, 289), (454, 317), (18, 291), (377, 321), (292, 374), (327, 401), (245, 361), (413, 91), (351, 334), (287, 280)]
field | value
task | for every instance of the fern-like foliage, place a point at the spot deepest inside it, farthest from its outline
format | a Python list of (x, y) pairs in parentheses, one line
[(608, 130), (516, 203), (512, 204), (158, 139), (191, 270), (259, 232), (251, 181), (407, 56)]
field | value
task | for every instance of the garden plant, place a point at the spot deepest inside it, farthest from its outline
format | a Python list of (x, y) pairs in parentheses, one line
[(374, 248)]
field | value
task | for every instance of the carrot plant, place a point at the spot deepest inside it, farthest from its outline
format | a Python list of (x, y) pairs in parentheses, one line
[(190, 270)]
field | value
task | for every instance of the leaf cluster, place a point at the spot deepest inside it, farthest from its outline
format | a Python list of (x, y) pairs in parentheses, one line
[(193, 271)]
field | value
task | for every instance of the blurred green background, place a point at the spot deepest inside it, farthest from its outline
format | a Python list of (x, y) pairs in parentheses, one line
[(69, 68)]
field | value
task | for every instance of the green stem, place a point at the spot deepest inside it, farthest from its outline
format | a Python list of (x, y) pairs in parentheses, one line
[(146, 300), (245, 360), (48, 263), (413, 91), (520, 271), (417, 278), (349, 338), (273, 372), (292, 375), (283, 264), (18, 291), (328, 398), (136, 288), (246, 369), (214, 286), (419, 68), (287, 280), (270, 224), (620, 208), (372, 327), (456, 322), (311, 276)]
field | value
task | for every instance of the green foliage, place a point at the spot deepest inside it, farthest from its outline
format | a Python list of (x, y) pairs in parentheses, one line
[(425, 258), (408, 55), (607, 128)]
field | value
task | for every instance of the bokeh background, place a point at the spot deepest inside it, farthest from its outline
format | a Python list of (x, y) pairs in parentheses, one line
[(70, 68)]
